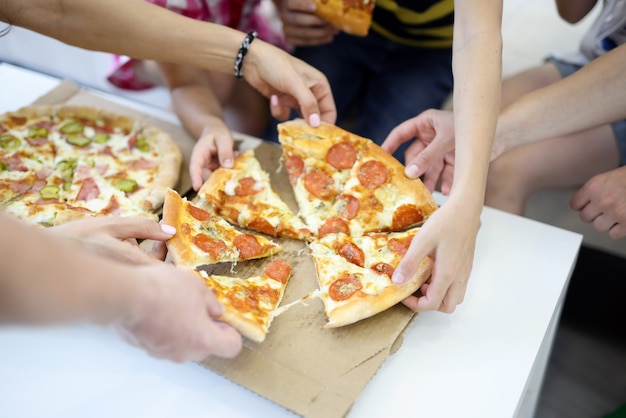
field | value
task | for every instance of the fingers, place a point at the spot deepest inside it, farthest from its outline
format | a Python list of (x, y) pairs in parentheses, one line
[(130, 227), (399, 135), (220, 340)]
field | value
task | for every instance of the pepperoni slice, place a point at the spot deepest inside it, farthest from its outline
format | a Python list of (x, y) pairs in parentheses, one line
[(405, 216), (333, 226), (278, 270), (372, 174), (383, 268), (262, 225), (341, 155), (351, 252), (348, 206), (246, 187), (400, 245), (295, 168), (198, 213), (320, 184), (211, 246), (248, 246), (344, 287)]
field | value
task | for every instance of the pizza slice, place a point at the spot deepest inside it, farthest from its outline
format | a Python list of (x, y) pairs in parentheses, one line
[(351, 16), (250, 303), (243, 195), (318, 162), (378, 197), (203, 237), (354, 274)]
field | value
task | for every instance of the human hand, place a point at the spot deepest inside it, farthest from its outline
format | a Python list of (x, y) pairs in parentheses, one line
[(301, 26), (174, 316), (116, 237), (432, 152), (213, 149), (602, 202), (449, 238), (289, 83)]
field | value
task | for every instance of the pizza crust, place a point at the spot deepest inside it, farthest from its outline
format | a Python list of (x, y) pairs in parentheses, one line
[(352, 20), (358, 308)]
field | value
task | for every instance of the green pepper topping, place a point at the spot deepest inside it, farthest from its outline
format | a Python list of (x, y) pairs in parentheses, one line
[(72, 127), (49, 192), (9, 141), (38, 132), (142, 144), (78, 140), (126, 185), (101, 137), (4, 166)]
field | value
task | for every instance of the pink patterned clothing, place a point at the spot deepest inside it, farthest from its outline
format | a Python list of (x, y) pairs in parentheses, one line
[(243, 15)]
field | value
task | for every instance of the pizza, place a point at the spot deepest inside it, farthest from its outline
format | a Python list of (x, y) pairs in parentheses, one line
[(346, 183), (351, 16), (59, 163), (244, 196), (250, 303), (354, 274), (203, 237)]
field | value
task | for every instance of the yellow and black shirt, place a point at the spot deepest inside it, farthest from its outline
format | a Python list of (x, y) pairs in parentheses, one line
[(422, 23)]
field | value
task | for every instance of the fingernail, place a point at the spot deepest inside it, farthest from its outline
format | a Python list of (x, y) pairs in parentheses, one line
[(168, 229), (274, 100), (411, 171), (398, 278), (314, 120), (228, 163)]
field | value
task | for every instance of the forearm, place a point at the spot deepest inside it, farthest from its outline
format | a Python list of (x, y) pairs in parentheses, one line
[(45, 279), (477, 70), (590, 97), (197, 107), (112, 27)]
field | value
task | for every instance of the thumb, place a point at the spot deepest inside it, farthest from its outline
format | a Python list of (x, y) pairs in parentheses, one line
[(418, 164)]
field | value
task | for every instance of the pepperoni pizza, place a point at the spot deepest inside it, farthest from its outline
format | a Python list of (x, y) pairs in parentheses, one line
[(204, 238), (59, 163), (250, 303), (347, 183), (244, 196)]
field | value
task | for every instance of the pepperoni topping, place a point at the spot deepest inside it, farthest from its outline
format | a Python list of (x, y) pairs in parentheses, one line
[(383, 268), (295, 168), (341, 155), (198, 213), (262, 225), (372, 174), (348, 206), (246, 187), (333, 226), (344, 287), (399, 245), (248, 246), (351, 252), (209, 245), (88, 190), (278, 270), (405, 216), (320, 184)]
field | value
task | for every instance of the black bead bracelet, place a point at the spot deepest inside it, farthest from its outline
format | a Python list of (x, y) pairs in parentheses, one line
[(241, 54)]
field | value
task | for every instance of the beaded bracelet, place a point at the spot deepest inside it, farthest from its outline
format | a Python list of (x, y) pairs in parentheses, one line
[(243, 50)]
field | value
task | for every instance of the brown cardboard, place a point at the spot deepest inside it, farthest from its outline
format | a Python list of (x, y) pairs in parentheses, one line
[(310, 370)]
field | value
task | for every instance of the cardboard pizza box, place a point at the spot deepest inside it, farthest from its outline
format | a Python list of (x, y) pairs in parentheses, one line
[(307, 369)]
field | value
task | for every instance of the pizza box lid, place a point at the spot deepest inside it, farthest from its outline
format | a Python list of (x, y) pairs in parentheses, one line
[(307, 369)]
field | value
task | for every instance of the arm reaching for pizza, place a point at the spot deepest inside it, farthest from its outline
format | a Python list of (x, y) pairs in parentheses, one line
[(116, 237), (449, 235), (168, 37), (158, 307)]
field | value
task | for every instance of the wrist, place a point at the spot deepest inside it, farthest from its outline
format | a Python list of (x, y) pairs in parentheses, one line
[(243, 51)]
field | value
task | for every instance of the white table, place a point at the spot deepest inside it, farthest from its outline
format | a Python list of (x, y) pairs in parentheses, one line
[(485, 360)]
